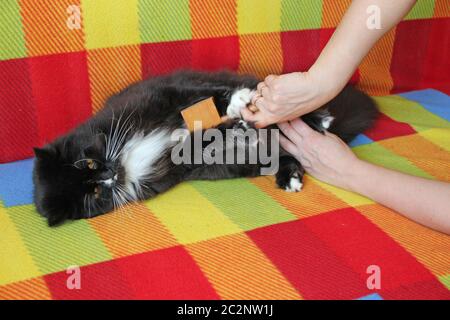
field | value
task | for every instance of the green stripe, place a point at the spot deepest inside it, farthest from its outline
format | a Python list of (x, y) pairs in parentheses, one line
[(422, 10), (164, 20), (404, 110), (55, 249), (377, 154), (12, 43), (244, 203), (301, 14), (445, 281)]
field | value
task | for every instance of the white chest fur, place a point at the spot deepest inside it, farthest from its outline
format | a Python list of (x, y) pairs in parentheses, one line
[(139, 154)]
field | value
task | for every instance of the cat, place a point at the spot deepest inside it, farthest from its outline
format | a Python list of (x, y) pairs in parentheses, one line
[(123, 153)]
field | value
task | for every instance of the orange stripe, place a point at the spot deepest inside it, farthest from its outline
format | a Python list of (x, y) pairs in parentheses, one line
[(33, 289), (375, 74), (238, 269), (132, 230), (333, 11), (213, 18), (424, 154), (312, 200), (111, 70), (45, 27), (431, 248), (261, 54), (442, 9)]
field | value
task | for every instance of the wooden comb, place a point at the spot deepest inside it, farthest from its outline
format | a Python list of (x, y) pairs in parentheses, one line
[(206, 112)]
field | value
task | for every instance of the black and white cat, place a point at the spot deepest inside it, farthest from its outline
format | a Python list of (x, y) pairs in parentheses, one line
[(123, 153)]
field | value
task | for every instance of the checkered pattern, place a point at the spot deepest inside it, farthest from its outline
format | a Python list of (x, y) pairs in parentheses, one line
[(204, 240), (53, 77)]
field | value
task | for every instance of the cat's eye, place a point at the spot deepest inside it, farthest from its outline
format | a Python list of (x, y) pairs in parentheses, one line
[(97, 192), (91, 164)]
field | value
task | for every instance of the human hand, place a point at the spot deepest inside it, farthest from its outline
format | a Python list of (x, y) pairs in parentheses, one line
[(325, 157), (288, 96)]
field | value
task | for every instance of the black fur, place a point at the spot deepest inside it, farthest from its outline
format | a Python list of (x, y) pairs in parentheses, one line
[(63, 186)]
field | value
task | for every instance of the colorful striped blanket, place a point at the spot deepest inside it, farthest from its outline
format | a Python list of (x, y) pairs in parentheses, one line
[(236, 239), (243, 238)]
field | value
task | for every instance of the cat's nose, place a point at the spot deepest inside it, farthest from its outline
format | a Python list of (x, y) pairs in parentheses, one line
[(106, 174)]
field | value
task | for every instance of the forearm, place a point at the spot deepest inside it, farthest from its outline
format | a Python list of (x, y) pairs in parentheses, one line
[(352, 39), (422, 200)]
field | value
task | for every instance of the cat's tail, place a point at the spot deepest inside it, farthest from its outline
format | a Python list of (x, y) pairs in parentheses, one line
[(353, 112)]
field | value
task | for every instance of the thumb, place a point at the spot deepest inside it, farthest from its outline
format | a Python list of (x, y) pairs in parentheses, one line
[(301, 127)]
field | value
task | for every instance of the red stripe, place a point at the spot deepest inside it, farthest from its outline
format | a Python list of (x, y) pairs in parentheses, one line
[(17, 112), (408, 57)]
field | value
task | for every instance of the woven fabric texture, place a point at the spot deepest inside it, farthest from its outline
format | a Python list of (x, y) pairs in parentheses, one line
[(206, 240)]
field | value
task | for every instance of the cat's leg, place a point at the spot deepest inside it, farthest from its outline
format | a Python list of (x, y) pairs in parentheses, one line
[(239, 100), (290, 174)]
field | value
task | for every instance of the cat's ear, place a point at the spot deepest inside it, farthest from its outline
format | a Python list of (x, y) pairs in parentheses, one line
[(43, 153)]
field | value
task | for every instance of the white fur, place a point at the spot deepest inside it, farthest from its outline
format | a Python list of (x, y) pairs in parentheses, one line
[(326, 121), (239, 100), (294, 185), (138, 155)]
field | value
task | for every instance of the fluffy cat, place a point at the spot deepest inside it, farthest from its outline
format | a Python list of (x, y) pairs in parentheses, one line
[(123, 153)]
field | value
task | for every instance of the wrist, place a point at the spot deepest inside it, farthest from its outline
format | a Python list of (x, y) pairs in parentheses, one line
[(356, 175), (326, 80)]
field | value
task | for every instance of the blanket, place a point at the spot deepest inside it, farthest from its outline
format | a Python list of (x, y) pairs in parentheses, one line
[(236, 239), (244, 238), (60, 59)]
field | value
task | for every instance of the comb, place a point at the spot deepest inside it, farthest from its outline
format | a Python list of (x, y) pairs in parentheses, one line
[(206, 112)]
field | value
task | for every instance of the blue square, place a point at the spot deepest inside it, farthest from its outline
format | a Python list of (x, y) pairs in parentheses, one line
[(432, 100), (360, 140), (373, 296), (16, 183)]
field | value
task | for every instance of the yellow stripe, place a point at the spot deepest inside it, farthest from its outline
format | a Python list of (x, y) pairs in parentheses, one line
[(16, 264), (189, 216)]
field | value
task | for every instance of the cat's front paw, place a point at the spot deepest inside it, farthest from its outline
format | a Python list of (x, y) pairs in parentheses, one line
[(239, 100)]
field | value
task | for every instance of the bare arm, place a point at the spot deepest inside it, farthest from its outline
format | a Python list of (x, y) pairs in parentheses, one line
[(289, 96), (352, 40), (328, 158), (422, 200)]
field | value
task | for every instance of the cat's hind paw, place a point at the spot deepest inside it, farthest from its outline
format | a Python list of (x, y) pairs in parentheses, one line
[(290, 183), (294, 185)]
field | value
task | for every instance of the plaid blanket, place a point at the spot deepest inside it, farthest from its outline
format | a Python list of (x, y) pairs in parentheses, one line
[(60, 59), (244, 238)]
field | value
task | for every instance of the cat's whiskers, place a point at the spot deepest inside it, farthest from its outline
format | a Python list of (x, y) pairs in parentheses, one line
[(118, 132), (121, 135), (122, 199), (118, 152), (112, 137), (108, 139)]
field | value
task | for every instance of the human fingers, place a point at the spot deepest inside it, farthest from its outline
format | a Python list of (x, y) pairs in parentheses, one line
[(288, 145), (301, 127), (290, 132)]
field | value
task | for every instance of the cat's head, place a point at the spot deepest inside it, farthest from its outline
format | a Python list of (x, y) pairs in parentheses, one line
[(73, 179)]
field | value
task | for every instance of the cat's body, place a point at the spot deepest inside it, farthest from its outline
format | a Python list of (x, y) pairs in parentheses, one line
[(123, 153)]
